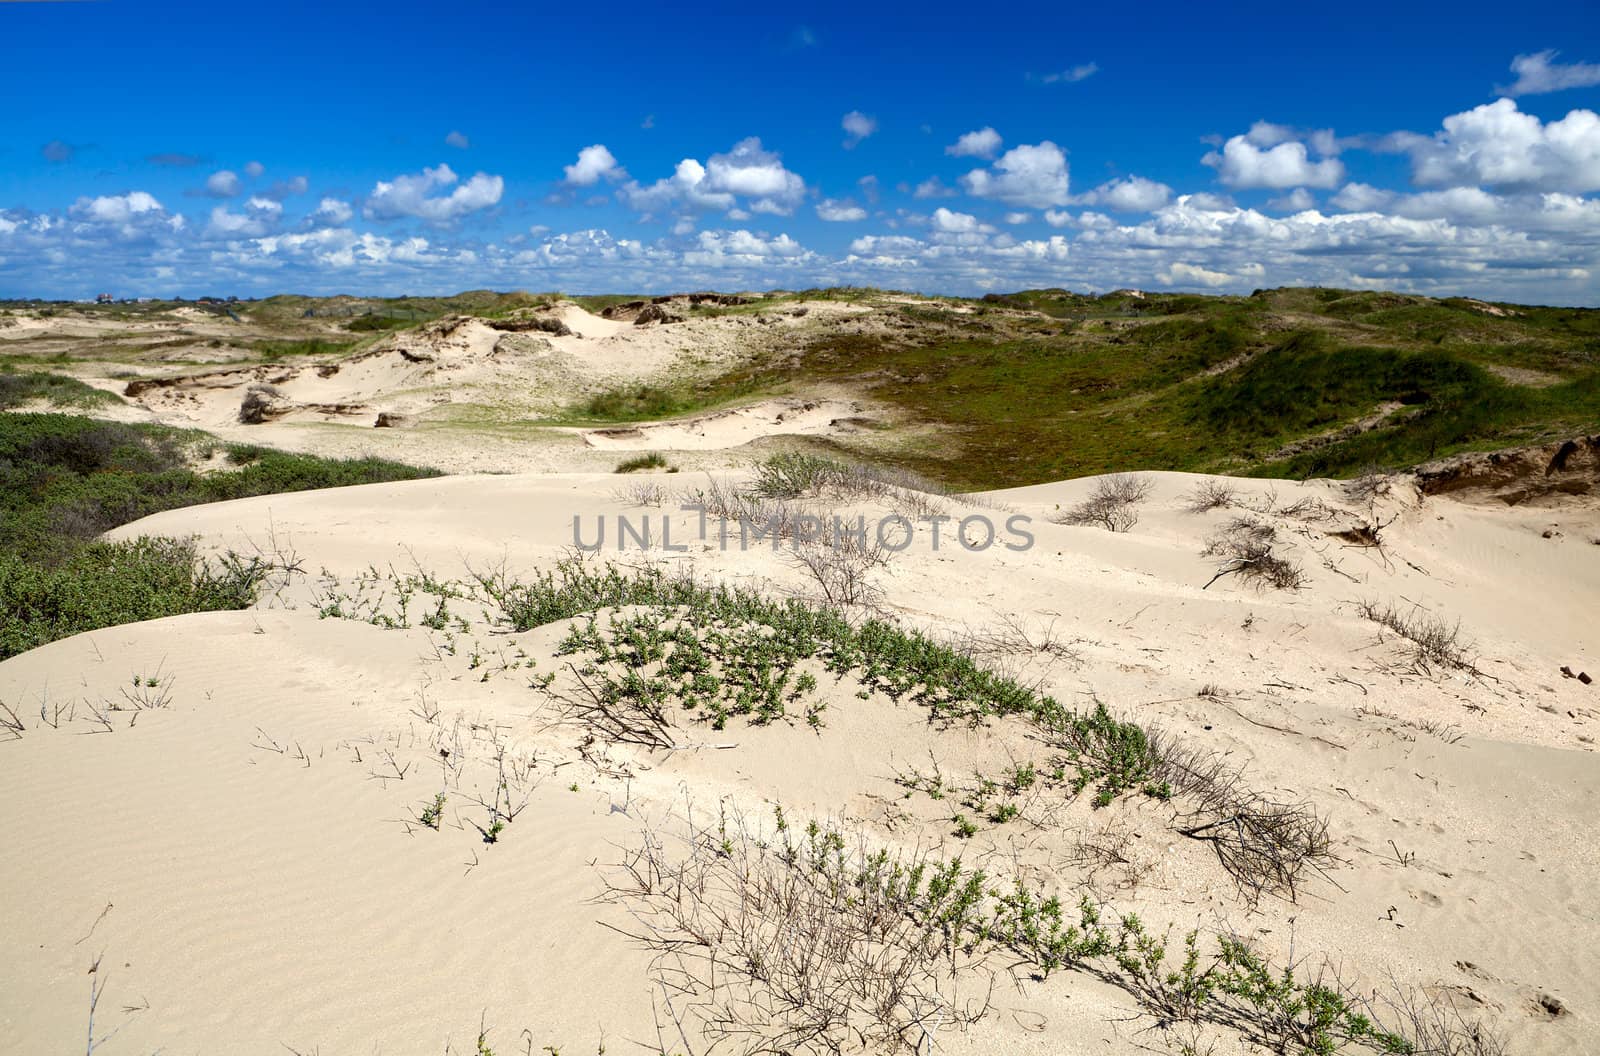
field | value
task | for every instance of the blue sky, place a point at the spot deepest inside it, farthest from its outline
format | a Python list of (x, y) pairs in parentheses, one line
[(171, 148)]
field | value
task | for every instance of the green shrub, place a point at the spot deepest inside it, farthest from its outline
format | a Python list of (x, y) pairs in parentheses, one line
[(644, 402), (368, 323), (789, 475), (106, 584), (635, 401), (64, 480), (1303, 385)]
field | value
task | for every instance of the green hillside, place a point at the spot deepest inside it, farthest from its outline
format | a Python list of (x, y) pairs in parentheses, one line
[(1045, 384)]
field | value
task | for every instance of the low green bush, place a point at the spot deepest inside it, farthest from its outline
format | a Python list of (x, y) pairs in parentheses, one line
[(106, 584), (369, 323), (65, 480), (58, 390)]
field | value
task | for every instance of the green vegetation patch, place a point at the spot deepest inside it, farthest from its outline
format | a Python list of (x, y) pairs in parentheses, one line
[(17, 390), (1267, 384), (649, 402), (272, 350), (105, 584), (64, 480)]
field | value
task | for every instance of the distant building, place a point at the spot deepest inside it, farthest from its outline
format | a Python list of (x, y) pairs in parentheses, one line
[(104, 298)]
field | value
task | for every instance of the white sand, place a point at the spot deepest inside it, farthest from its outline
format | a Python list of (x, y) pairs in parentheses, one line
[(267, 890)]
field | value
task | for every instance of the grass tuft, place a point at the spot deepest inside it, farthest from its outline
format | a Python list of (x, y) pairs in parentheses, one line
[(653, 460), (1434, 642)]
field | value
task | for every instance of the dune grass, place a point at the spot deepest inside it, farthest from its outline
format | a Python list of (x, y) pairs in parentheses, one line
[(652, 650), (639, 463), (872, 944)]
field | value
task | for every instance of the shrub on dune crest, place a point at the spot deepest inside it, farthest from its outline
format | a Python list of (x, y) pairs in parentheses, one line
[(1112, 505)]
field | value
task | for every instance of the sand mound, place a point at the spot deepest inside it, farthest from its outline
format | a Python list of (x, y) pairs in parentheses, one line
[(526, 365), (407, 375), (1550, 473)]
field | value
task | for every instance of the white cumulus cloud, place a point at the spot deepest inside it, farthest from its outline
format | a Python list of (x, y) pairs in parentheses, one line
[(1361, 198), (333, 211), (844, 211), (982, 143), (1297, 200), (1129, 194), (756, 173), (411, 195), (594, 164), (223, 184), (744, 248), (1497, 145), (1244, 164), (1029, 175), (1265, 134), (259, 217), (1181, 274), (958, 223), (117, 209), (747, 171)]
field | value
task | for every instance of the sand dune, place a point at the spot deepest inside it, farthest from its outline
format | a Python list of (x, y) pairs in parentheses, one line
[(409, 374), (532, 362), (269, 884), (465, 394)]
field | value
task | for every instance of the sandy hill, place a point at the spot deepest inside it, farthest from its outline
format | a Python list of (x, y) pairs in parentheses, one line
[(228, 812)]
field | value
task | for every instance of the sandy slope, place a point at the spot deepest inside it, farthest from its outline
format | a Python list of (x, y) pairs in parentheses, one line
[(268, 885), (461, 393)]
